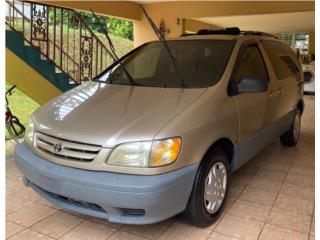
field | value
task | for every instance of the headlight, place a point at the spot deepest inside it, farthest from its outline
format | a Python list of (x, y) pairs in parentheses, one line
[(146, 154), (29, 134)]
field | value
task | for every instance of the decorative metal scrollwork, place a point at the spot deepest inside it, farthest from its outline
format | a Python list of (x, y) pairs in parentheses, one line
[(86, 57), (39, 22)]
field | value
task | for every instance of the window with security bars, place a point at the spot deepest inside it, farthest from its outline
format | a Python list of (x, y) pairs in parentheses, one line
[(296, 40)]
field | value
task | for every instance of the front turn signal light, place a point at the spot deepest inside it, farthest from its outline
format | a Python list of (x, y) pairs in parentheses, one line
[(164, 152)]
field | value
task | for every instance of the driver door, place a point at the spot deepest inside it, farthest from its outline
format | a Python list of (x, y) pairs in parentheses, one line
[(254, 108)]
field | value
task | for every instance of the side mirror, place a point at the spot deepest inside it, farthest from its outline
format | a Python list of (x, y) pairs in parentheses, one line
[(252, 85), (308, 77)]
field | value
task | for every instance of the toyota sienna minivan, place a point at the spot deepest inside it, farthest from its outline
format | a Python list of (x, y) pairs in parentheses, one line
[(150, 138)]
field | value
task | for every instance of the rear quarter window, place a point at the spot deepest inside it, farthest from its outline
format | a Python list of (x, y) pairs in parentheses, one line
[(283, 59)]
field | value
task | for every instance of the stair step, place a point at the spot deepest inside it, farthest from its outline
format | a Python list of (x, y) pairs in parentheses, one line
[(26, 43), (44, 58), (57, 70), (71, 82), (30, 54)]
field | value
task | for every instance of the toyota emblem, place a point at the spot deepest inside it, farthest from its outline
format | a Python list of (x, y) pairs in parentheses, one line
[(57, 147)]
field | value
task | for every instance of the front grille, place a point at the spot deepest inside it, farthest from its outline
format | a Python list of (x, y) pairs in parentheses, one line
[(72, 201), (66, 149), (78, 203)]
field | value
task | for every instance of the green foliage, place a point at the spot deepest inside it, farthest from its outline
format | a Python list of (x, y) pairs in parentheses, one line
[(117, 27)]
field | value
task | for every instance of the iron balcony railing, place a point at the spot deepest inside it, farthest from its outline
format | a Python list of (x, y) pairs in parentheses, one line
[(61, 36)]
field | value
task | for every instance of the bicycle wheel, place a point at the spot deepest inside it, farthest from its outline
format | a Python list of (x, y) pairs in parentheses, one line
[(15, 129)]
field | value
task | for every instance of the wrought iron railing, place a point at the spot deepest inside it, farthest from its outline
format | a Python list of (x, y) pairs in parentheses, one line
[(61, 36)]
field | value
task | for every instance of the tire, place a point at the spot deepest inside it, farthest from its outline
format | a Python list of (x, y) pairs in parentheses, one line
[(291, 137), (198, 212), (15, 129)]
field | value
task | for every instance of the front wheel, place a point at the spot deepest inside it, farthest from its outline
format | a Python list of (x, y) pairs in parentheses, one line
[(291, 137), (15, 129), (209, 191)]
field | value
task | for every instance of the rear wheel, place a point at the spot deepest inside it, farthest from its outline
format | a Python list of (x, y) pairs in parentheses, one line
[(209, 190), (291, 137)]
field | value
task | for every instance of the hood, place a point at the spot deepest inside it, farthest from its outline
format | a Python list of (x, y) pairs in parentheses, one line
[(109, 114)]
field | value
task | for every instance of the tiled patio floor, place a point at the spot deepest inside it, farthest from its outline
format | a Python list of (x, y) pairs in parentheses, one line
[(271, 198)]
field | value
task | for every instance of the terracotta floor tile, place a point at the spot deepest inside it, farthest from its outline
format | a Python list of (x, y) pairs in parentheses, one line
[(104, 222), (182, 231), (241, 178), (228, 204), (249, 168), (14, 203), (213, 226), (14, 186), (298, 191), (220, 236), (12, 229), (249, 211), (254, 195), (30, 235), (294, 204), (285, 152), (303, 170), (28, 194), (301, 180), (30, 215), (280, 158), (304, 163), (256, 162), (148, 231), (89, 230), (125, 236), (13, 171), (305, 158), (57, 224), (290, 220), (270, 232), (235, 190), (265, 184), (239, 228), (274, 175), (44, 202), (277, 165)]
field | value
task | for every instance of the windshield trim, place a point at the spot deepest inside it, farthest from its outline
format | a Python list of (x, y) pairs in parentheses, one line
[(96, 79)]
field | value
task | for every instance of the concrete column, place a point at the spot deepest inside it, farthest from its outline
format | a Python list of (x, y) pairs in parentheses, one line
[(311, 43), (143, 31)]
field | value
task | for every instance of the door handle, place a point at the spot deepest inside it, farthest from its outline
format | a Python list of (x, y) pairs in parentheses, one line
[(270, 94), (280, 91)]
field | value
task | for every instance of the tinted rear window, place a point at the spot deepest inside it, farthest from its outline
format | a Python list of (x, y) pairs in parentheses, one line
[(283, 59)]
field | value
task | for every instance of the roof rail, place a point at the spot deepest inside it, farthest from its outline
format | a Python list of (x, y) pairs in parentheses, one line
[(224, 31), (229, 31), (257, 33)]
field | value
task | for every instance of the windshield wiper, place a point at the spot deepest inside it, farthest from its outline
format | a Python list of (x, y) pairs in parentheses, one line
[(113, 50), (164, 42)]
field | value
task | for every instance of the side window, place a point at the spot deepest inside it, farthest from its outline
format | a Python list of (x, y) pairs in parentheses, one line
[(283, 59), (251, 64)]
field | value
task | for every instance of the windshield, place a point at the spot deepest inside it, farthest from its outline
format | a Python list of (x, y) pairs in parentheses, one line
[(201, 62)]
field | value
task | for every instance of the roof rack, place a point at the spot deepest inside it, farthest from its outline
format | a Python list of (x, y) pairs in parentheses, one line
[(229, 31)]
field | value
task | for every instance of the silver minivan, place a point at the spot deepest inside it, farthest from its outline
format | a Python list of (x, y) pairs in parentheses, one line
[(143, 142)]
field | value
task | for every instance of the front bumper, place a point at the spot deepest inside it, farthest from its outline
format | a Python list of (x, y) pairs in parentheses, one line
[(121, 198)]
